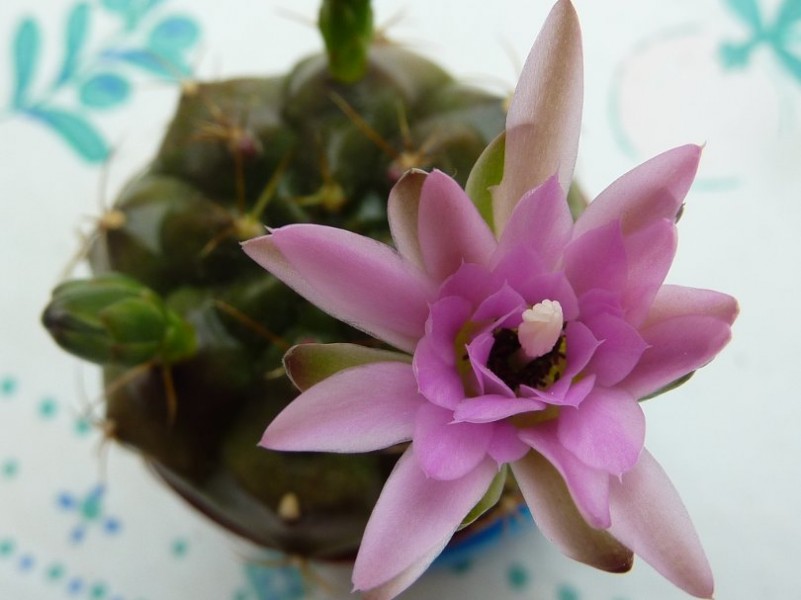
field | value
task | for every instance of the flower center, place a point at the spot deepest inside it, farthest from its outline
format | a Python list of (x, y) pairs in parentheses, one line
[(535, 353)]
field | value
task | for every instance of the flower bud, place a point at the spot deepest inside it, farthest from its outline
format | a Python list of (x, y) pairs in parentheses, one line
[(114, 319)]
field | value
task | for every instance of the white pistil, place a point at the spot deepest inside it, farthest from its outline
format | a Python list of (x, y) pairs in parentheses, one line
[(541, 327)]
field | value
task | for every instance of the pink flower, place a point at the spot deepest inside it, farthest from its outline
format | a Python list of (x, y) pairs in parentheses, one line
[(527, 343)]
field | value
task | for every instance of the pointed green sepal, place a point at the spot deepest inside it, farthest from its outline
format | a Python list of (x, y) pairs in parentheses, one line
[(486, 174), (489, 499), (308, 364), (670, 386)]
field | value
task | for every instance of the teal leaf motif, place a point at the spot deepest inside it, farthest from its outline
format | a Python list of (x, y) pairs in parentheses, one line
[(173, 34), (104, 90), (789, 14), (130, 11), (147, 61), (748, 11), (76, 34), (26, 55), (75, 130)]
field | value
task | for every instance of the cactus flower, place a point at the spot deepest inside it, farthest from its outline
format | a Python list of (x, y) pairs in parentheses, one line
[(527, 342)]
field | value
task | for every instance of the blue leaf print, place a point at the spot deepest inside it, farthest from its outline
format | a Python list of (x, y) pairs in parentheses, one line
[(26, 55), (173, 34), (130, 11), (75, 130), (748, 11), (790, 62), (76, 34), (148, 61), (789, 14), (104, 90)]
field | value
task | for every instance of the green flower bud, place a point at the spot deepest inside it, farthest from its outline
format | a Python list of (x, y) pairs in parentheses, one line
[(114, 319), (347, 28)]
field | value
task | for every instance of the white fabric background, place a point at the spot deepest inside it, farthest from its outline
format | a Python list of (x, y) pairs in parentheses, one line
[(729, 439)]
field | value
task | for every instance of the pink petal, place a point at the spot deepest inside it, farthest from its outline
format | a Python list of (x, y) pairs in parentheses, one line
[(589, 487), (652, 191), (412, 518), (491, 408), (674, 300), (620, 349), (606, 432), (357, 410), (499, 305), (435, 356), (506, 447), (677, 346), (559, 520), (446, 450), (597, 260), (650, 253), (486, 381), (473, 283), (544, 119), (541, 221), (581, 346), (353, 278), (564, 392), (451, 231), (402, 214), (649, 517)]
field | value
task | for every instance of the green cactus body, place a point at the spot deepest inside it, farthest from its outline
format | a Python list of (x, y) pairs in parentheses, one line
[(300, 148)]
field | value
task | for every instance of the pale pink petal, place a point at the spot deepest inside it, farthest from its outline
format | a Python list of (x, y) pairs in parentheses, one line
[(491, 408), (447, 450), (649, 517), (650, 252), (589, 487), (544, 119), (597, 260), (402, 214), (652, 191), (396, 585), (360, 409), (451, 231), (677, 346), (621, 348), (354, 278), (676, 300), (559, 520), (540, 221), (412, 517), (606, 432)]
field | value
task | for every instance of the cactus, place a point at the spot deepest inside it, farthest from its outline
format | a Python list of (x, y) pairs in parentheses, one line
[(192, 336)]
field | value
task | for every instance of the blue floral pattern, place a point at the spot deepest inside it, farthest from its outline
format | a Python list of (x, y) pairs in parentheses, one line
[(94, 78)]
